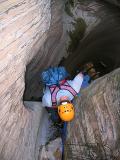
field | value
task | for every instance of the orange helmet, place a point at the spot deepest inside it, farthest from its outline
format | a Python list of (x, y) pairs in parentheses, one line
[(66, 111)]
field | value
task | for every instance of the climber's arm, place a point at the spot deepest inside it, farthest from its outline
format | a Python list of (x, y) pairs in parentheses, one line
[(46, 100), (77, 82)]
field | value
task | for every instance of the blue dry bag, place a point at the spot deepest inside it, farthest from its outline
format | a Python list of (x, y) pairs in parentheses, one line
[(53, 75)]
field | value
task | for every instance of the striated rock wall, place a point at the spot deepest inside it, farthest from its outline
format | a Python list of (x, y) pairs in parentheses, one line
[(25, 28), (53, 47), (30, 32), (95, 131)]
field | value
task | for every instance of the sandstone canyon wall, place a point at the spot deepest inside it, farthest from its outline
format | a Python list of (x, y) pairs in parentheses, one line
[(95, 131), (26, 27), (34, 34)]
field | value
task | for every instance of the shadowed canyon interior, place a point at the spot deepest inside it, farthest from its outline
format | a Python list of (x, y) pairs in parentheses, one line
[(99, 45), (37, 34)]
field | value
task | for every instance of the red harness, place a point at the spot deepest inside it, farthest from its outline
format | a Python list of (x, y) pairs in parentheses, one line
[(64, 85)]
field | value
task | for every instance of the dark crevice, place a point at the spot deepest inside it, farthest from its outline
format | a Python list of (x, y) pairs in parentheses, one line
[(101, 47)]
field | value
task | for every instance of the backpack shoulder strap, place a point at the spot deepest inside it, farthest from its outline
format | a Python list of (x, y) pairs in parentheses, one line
[(54, 90), (66, 86)]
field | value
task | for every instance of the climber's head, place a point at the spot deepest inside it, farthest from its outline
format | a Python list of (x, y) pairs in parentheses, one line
[(66, 109)]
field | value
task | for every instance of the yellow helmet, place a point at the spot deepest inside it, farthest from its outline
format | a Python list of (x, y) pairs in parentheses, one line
[(66, 111)]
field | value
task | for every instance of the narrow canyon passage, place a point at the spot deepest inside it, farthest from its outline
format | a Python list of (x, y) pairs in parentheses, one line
[(37, 34), (99, 44)]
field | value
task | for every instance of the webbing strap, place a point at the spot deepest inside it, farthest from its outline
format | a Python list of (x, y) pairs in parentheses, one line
[(68, 88), (54, 90)]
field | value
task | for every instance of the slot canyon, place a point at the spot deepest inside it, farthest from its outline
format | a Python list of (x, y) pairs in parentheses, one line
[(37, 34)]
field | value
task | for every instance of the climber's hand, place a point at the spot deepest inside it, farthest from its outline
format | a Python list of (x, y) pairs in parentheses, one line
[(81, 74)]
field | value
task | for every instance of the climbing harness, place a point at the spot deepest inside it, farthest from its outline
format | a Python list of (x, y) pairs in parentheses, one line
[(64, 85)]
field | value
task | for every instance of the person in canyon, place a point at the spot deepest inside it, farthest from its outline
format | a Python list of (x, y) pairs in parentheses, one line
[(59, 92)]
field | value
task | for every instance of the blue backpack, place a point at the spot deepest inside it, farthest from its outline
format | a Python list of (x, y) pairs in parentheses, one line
[(53, 75)]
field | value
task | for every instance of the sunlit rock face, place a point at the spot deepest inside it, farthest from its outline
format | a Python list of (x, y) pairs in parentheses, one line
[(95, 131), (23, 29)]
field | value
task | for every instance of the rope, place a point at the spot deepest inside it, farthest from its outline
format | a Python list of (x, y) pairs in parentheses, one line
[(64, 134)]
